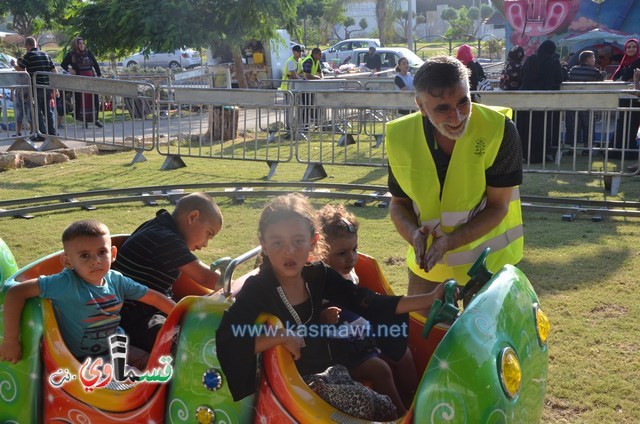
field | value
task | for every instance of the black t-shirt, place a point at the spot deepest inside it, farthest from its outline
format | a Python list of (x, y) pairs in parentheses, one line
[(153, 254), (373, 61), (506, 170)]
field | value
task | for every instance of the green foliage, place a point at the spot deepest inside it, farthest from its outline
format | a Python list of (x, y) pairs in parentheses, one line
[(460, 26), (449, 14), (473, 13), (494, 46), (32, 17), (363, 24), (349, 21), (169, 25), (486, 11)]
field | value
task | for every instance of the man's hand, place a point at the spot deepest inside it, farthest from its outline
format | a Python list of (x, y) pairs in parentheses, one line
[(419, 243), (438, 248), (10, 352)]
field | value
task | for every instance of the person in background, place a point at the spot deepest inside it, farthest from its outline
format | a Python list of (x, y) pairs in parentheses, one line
[(33, 61), (404, 80), (372, 60), (539, 130), (586, 71), (83, 63), (159, 251), (626, 136), (292, 71), (476, 72), (87, 296), (60, 108), (630, 61), (292, 67), (311, 66), (511, 76), (21, 108), (454, 172)]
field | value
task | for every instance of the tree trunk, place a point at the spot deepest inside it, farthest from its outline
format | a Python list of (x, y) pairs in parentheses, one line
[(381, 17), (238, 67)]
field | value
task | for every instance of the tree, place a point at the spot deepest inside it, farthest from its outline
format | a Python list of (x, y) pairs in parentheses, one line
[(486, 12), (449, 15), (460, 24), (31, 17), (402, 21), (347, 23), (473, 13), (381, 19), (169, 25), (363, 24)]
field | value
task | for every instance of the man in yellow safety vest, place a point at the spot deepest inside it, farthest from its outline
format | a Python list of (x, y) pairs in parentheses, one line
[(454, 171), (292, 67)]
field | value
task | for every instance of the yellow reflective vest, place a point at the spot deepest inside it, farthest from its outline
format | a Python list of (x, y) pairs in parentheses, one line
[(285, 72), (464, 192), (315, 64)]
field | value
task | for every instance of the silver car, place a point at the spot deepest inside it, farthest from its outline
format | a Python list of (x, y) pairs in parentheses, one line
[(181, 58), (342, 52), (389, 57)]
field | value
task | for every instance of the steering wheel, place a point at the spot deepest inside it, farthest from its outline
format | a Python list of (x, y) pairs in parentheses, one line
[(442, 312), (447, 311), (479, 274)]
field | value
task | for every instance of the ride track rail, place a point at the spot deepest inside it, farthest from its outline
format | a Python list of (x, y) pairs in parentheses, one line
[(361, 193)]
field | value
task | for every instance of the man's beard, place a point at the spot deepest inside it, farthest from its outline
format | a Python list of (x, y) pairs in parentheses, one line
[(445, 128)]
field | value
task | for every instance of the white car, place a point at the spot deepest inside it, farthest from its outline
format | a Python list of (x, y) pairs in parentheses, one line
[(5, 61), (343, 51), (180, 58), (389, 57)]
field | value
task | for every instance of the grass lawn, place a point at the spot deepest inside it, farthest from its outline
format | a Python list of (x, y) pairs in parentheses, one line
[(584, 272)]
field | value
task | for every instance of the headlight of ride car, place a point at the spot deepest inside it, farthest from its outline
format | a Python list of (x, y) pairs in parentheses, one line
[(509, 371), (542, 324)]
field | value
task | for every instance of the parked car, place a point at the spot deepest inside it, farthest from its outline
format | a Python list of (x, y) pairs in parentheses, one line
[(180, 58), (5, 61), (344, 49), (389, 57)]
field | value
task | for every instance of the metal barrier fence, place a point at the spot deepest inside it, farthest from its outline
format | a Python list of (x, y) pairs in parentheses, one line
[(119, 114), (584, 129), (17, 105), (226, 124), (590, 132)]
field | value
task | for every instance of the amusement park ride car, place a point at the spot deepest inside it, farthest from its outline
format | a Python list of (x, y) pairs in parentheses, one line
[(484, 364)]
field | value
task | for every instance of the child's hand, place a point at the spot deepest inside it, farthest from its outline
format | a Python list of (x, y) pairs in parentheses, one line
[(330, 315), (10, 352), (293, 343)]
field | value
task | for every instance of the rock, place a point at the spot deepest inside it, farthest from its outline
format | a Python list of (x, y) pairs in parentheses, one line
[(10, 160), (43, 158)]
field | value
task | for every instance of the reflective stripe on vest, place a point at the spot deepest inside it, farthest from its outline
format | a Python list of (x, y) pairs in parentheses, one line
[(463, 195), (285, 73)]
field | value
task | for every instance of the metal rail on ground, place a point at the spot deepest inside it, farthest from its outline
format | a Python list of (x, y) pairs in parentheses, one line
[(361, 194)]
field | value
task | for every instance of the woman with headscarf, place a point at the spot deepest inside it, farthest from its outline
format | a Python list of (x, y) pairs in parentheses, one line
[(476, 74), (541, 71), (630, 62), (83, 63), (511, 77)]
